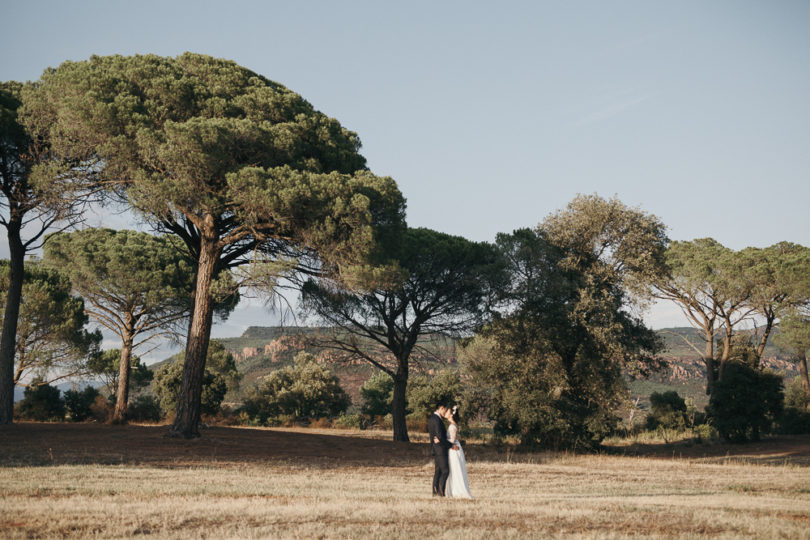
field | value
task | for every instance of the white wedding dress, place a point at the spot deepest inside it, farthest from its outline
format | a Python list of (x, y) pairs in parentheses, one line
[(457, 484)]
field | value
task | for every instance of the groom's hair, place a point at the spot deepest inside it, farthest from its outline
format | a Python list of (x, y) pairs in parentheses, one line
[(442, 403)]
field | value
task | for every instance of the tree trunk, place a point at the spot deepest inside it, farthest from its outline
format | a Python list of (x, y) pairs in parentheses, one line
[(11, 316), (187, 415), (769, 318), (398, 403), (122, 392), (803, 374), (708, 360)]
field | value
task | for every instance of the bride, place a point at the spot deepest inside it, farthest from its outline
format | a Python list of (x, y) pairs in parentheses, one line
[(457, 484)]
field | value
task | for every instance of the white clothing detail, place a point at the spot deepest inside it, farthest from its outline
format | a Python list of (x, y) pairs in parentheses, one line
[(457, 484)]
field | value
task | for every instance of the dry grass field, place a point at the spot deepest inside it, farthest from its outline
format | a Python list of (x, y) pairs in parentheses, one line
[(70, 481)]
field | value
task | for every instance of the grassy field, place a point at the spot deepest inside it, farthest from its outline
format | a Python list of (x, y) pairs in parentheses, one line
[(63, 481)]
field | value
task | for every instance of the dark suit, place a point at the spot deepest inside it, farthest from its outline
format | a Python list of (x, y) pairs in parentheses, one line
[(440, 453)]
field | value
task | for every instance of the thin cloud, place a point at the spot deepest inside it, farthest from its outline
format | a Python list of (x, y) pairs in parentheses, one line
[(611, 110)]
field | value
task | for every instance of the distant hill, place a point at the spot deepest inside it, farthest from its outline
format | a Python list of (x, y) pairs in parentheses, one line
[(261, 350)]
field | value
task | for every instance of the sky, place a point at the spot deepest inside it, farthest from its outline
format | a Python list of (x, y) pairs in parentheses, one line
[(490, 116)]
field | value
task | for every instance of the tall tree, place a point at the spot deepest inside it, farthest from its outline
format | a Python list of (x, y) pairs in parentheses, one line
[(52, 342), (445, 290), (236, 165), (555, 357), (778, 278), (134, 284), (32, 185), (704, 279), (794, 337)]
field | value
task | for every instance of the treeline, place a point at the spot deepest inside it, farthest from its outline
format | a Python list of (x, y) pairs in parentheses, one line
[(247, 186)]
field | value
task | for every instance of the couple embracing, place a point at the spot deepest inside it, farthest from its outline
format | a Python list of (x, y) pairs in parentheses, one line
[(450, 474)]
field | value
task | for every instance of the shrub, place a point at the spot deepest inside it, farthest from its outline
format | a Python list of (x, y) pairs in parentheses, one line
[(145, 408), (79, 403), (377, 393), (101, 409), (305, 390), (168, 379), (795, 396), (668, 411), (423, 394), (350, 421), (745, 402), (42, 402)]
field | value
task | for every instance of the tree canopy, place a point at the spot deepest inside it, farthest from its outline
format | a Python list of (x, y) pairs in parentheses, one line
[(445, 288), (239, 167)]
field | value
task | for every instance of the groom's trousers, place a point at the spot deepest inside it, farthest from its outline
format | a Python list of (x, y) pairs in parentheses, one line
[(441, 472)]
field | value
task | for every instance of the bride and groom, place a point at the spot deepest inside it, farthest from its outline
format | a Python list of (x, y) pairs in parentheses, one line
[(450, 473)]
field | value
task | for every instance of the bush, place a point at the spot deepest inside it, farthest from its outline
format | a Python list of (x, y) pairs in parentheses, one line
[(306, 390), (667, 411), (101, 409), (42, 402), (350, 421), (794, 422), (795, 396), (745, 403), (168, 379), (145, 408), (79, 403), (377, 393), (423, 394)]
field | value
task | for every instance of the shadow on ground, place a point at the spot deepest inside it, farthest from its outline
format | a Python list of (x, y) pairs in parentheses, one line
[(37, 444)]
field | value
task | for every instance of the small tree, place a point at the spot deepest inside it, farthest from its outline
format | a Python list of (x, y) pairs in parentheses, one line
[(52, 341), (377, 393), (79, 403), (167, 382), (745, 402), (443, 387), (668, 411), (135, 285), (42, 402), (106, 366), (305, 390)]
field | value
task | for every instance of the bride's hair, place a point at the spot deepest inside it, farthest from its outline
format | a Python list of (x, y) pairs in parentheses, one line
[(456, 417)]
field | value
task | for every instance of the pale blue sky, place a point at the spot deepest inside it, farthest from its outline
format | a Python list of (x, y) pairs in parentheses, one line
[(491, 116)]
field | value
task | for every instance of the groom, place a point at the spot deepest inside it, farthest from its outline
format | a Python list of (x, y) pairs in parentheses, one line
[(439, 447)]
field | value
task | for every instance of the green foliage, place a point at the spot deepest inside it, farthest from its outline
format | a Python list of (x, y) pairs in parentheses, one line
[(51, 334), (668, 411), (145, 408), (221, 362), (553, 361), (106, 365), (745, 402), (41, 402), (444, 386), (795, 395), (350, 421), (168, 379), (306, 390), (79, 403), (377, 393)]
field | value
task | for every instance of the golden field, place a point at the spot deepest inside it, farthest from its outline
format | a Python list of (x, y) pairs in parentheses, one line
[(78, 481)]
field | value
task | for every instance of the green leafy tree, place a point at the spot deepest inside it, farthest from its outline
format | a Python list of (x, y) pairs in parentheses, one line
[(705, 279), (35, 197), (134, 284), (239, 167), (377, 393), (304, 390), (778, 278), (446, 289), (554, 359), (79, 403), (444, 386), (794, 337), (169, 378), (667, 410), (106, 366), (220, 375), (42, 402), (745, 402), (52, 341)]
